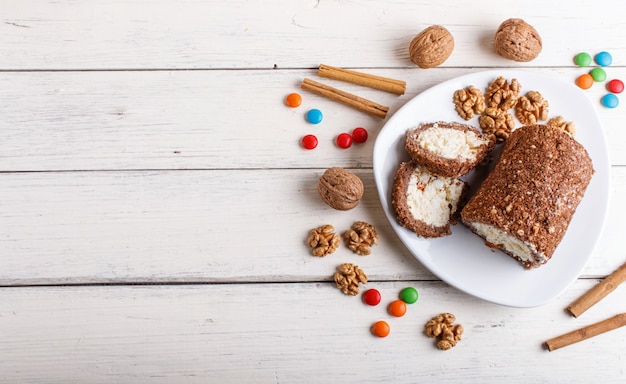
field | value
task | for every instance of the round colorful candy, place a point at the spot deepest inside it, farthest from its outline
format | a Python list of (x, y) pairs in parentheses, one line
[(359, 135), (371, 297), (344, 140), (380, 328), (309, 141), (584, 81), (615, 86), (397, 308), (293, 100), (314, 116), (610, 100), (603, 59), (598, 74), (583, 59), (409, 295)]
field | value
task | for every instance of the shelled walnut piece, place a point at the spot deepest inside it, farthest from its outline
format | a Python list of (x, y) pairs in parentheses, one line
[(531, 108), (361, 237), (501, 94), (348, 277), (442, 326), (497, 122), (469, 101), (323, 240), (559, 122)]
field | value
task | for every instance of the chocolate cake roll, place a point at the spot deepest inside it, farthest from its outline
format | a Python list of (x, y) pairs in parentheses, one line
[(527, 201), (425, 203), (448, 149)]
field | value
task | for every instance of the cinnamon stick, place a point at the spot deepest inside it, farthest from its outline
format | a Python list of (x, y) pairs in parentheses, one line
[(360, 78), (598, 292), (587, 332), (346, 98)]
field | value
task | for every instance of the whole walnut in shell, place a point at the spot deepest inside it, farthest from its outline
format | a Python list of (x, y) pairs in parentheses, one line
[(517, 40), (431, 47), (340, 189)]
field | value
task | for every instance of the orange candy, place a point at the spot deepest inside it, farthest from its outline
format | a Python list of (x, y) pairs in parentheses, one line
[(293, 100), (397, 308), (584, 81), (380, 329)]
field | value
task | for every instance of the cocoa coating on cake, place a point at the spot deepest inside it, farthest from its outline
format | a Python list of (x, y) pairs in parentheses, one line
[(403, 213), (443, 166), (533, 190)]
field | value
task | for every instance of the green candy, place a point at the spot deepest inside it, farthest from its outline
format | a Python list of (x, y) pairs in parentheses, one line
[(598, 74), (409, 295), (583, 59)]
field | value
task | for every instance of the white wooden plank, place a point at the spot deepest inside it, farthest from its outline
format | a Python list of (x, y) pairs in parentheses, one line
[(112, 172), (277, 333), (124, 34), (207, 226), (203, 119)]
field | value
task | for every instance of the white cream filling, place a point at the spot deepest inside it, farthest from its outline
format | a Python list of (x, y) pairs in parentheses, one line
[(433, 199), (519, 248), (450, 143)]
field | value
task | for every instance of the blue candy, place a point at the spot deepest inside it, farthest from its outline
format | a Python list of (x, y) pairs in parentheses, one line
[(610, 100), (314, 116), (603, 59)]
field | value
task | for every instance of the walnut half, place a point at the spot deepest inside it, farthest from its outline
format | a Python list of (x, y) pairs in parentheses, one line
[(443, 326), (501, 94), (559, 122), (348, 277), (469, 101), (497, 122), (531, 108), (361, 237), (323, 240)]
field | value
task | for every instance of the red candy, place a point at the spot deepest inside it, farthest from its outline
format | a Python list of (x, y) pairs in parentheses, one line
[(344, 140), (371, 297), (615, 86), (359, 135), (309, 141)]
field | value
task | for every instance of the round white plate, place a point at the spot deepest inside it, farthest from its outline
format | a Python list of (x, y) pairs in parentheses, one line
[(462, 259)]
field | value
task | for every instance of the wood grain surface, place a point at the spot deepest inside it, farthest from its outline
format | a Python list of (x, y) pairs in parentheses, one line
[(155, 200)]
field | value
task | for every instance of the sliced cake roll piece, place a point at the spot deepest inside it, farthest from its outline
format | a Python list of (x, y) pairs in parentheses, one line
[(426, 203), (448, 149), (527, 201)]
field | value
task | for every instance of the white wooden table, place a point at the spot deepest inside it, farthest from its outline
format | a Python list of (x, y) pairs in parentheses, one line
[(154, 198)]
